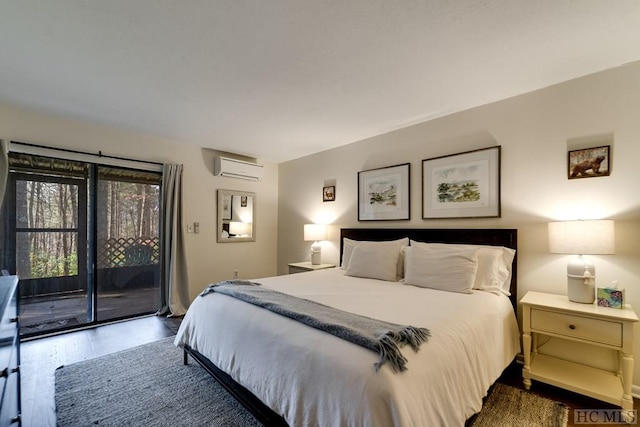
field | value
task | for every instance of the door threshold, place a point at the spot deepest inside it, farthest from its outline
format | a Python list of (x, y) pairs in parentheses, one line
[(84, 327)]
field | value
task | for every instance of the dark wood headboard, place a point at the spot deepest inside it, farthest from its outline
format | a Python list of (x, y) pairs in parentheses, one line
[(507, 237)]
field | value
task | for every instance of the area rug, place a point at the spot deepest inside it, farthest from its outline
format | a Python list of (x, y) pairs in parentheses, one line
[(144, 386), (149, 386), (508, 406)]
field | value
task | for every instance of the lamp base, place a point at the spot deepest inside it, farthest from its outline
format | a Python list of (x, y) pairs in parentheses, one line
[(580, 292), (581, 281), (316, 254)]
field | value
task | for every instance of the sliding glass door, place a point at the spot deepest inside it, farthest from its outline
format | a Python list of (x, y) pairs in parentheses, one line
[(128, 243), (84, 240), (50, 237)]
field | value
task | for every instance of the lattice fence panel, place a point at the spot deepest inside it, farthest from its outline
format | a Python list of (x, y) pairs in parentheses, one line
[(128, 252)]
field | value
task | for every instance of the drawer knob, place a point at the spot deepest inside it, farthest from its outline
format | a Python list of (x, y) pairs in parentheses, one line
[(572, 326)]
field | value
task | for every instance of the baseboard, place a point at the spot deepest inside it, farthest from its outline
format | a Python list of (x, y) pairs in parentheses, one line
[(635, 391)]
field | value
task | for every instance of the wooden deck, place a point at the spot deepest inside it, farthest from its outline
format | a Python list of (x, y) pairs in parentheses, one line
[(41, 315)]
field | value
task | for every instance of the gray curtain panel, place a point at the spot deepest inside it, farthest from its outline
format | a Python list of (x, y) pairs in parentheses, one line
[(4, 168), (174, 284)]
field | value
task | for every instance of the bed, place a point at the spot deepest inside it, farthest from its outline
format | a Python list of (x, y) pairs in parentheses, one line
[(288, 373)]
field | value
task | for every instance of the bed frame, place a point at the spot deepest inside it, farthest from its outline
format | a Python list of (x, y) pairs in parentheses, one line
[(483, 236)]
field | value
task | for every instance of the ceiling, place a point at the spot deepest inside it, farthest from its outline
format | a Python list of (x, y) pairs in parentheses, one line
[(281, 79)]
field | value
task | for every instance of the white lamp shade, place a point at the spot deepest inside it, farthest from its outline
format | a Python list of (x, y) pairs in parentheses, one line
[(593, 237), (315, 232), (238, 228)]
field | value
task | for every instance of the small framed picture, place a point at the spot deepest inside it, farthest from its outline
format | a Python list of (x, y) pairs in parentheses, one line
[(226, 206), (462, 185), (589, 162), (329, 193), (383, 194)]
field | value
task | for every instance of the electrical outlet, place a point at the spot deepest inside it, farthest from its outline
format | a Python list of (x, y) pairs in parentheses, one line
[(189, 228), (235, 274)]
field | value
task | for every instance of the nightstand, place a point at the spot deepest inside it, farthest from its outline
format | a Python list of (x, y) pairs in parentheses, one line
[(556, 316), (301, 267)]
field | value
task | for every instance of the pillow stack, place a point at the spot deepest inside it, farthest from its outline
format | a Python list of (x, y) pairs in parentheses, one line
[(493, 271), (449, 267)]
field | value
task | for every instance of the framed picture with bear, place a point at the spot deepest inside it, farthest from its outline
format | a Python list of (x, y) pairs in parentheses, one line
[(589, 162)]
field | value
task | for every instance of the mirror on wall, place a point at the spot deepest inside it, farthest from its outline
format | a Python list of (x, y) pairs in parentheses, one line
[(236, 216)]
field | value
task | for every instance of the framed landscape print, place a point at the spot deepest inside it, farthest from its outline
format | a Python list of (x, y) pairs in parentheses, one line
[(463, 185), (383, 194), (590, 162)]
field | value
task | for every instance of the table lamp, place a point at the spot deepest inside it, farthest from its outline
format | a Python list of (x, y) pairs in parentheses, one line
[(238, 228), (593, 237), (315, 233)]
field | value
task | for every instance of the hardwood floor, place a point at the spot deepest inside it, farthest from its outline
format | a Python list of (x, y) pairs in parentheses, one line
[(40, 358)]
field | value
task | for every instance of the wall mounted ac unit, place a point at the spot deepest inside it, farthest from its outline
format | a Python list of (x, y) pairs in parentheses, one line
[(224, 166)]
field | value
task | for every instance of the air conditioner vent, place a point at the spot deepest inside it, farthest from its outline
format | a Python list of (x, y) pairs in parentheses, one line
[(232, 168)]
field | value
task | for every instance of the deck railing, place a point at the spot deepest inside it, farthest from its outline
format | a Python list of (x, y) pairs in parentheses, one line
[(128, 252), (122, 264)]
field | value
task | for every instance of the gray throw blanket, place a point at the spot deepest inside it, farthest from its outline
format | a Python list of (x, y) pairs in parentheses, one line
[(382, 337)]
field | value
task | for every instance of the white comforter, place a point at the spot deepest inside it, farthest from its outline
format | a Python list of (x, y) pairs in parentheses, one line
[(312, 378)]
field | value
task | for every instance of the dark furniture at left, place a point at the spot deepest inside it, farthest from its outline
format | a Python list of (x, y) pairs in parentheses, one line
[(9, 352)]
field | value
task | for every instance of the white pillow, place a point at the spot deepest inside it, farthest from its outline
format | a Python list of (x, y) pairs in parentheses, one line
[(347, 249), (446, 270), (349, 244), (494, 265), (374, 261)]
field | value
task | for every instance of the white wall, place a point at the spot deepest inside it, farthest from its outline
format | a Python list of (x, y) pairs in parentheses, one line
[(208, 261), (535, 131)]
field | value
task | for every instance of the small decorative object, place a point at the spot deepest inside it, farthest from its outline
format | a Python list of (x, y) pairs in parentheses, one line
[(383, 194), (590, 162), (595, 237), (463, 185), (329, 193), (315, 233), (611, 296)]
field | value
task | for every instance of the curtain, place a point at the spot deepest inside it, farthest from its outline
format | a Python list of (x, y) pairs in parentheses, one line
[(4, 168), (174, 285)]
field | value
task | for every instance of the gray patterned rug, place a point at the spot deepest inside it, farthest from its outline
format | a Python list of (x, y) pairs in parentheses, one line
[(508, 406), (149, 386), (144, 386)]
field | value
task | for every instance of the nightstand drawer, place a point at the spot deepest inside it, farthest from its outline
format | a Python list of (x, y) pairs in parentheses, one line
[(596, 330)]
